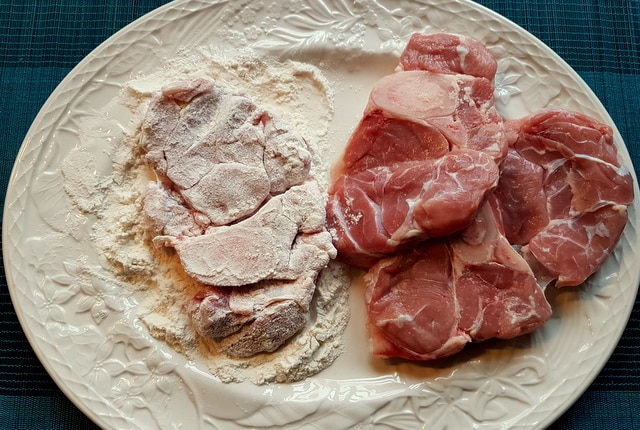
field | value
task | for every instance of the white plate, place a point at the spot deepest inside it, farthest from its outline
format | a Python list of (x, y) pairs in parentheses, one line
[(84, 329)]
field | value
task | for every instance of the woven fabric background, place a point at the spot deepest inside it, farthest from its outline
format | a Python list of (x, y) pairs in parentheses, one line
[(41, 41)]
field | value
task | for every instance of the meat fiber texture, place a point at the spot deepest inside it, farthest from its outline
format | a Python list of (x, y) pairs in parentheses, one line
[(234, 198), (430, 302), (564, 194), (425, 153), (461, 218)]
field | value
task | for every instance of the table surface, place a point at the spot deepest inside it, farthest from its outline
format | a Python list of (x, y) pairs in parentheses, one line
[(40, 42)]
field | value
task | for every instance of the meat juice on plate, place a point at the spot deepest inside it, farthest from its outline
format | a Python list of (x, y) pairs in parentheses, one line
[(516, 204)]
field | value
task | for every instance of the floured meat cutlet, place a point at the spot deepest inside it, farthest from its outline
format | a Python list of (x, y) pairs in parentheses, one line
[(234, 197)]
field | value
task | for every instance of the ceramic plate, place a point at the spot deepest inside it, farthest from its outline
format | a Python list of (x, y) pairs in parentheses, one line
[(84, 327)]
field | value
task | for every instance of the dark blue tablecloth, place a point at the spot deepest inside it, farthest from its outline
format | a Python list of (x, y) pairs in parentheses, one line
[(41, 41)]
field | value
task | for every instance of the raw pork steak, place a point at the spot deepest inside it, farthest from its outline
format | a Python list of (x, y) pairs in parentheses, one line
[(564, 194), (448, 54), (436, 282), (380, 210), (235, 200), (424, 155), (418, 115), (430, 302)]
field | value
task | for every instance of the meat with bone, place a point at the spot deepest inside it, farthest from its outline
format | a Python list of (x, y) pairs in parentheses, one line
[(378, 211), (457, 109), (235, 200), (390, 190), (373, 142), (430, 302), (573, 163), (561, 200)]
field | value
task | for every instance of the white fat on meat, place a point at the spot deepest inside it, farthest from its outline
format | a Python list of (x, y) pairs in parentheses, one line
[(571, 183), (430, 302)]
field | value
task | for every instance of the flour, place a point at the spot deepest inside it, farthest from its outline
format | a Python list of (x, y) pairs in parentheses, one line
[(298, 92), (300, 95)]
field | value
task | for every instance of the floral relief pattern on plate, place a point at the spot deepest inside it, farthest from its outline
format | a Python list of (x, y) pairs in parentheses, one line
[(82, 322)]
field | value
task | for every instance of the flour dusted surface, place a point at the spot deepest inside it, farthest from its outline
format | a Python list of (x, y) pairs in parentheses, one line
[(299, 94)]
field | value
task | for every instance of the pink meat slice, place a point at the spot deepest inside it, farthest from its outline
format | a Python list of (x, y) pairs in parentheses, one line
[(496, 289), (430, 302), (448, 54), (380, 210), (461, 107), (552, 134), (522, 197), (429, 114), (586, 192), (572, 249), (411, 305), (373, 143), (391, 189)]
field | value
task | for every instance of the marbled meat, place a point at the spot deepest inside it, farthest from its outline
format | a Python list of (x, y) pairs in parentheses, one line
[(574, 189), (458, 256), (428, 303)]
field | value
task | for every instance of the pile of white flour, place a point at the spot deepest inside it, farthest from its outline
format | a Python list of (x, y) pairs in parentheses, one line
[(301, 96)]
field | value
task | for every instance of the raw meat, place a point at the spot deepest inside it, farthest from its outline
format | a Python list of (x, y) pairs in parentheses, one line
[(255, 318), (446, 272), (523, 200), (373, 143), (285, 239), (234, 198), (496, 289), (552, 133), (430, 302), (380, 210), (448, 54), (572, 249), (572, 168), (396, 182), (219, 151), (411, 305), (437, 112)]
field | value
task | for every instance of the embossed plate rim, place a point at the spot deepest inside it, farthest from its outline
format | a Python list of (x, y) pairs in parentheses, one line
[(110, 414)]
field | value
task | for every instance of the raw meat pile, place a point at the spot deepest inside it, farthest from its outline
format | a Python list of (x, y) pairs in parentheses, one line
[(459, 216), (234, 198)]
